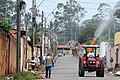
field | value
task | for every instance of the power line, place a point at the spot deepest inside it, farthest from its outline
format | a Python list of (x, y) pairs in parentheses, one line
[(51, 12), (40, 3), (51, 19), (53, 1), (97, 2), (87, 2), (90, 8), (56, 7), (46, 13)]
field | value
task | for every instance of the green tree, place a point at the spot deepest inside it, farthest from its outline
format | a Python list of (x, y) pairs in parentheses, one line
[(11, 9), (103, 11), (117, 16), (67, 18), (89, 26), (87, 30)]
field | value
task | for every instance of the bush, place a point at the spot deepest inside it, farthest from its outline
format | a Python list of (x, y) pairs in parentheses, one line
[(5, 26), (24, 76)]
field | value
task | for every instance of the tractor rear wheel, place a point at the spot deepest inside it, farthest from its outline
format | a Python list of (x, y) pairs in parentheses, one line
[(100, 72)]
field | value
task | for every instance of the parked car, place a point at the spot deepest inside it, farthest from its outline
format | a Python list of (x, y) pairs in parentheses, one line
[(60, 55)]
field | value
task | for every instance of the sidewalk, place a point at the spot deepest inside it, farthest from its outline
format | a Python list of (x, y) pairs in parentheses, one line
[(113, 72), (42, 73)]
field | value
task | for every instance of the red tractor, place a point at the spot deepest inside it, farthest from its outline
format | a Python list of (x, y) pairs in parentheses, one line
[(91, 63)]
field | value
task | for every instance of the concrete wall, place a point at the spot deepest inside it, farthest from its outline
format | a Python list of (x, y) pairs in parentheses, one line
[(7, 59), (3, 49), (23, 53), (12, 57), (114, 57), (29, 55)]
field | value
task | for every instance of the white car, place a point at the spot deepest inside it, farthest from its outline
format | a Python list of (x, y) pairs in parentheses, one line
[(60, 55)]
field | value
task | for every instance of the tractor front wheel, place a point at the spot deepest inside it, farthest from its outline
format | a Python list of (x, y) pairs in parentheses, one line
[(81, 70)]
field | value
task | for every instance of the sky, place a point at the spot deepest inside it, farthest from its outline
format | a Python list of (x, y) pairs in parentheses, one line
[(49, 5)]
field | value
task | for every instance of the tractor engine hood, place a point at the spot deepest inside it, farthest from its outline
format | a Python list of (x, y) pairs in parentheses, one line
[(91, 59)]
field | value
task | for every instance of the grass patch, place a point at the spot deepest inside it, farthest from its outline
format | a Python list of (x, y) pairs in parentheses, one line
[(40, 68), (2, 78), (23, 76)]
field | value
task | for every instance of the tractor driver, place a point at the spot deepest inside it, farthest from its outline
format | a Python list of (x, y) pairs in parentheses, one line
[(90, 54)]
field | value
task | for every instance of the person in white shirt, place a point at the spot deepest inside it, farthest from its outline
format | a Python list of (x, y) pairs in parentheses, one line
[(33, 64), (90, 54)]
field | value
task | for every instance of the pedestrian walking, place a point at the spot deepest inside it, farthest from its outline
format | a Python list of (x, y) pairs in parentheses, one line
[(49, 62)]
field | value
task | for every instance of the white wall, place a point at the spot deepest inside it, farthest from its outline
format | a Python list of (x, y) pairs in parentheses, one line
[(103, 48), (105, 51), (21, 59)]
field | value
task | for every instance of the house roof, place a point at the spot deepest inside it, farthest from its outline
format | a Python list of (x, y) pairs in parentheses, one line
[(63, 46)]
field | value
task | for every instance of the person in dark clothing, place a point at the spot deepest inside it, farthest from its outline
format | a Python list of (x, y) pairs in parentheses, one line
[(49, 62)]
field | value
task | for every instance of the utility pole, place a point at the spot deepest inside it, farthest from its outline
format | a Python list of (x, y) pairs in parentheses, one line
[(114, 27), (6, 10), (109, 35), (70, 21), (26, 22), (75, 33), (45, 37), (33, 25), (18, 37), (20, 5), (41, 54)]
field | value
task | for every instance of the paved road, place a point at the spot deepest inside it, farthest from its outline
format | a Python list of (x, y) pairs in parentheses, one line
[(66, 68)]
